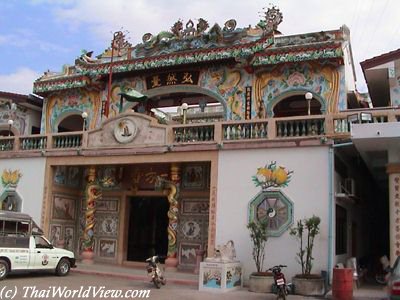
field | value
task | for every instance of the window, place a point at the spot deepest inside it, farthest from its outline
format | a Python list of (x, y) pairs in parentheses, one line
[(275, 207), (41, 242), (341, 230)]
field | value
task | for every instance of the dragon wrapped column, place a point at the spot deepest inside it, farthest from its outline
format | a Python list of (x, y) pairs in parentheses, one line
[(171, 188), (92, 194)]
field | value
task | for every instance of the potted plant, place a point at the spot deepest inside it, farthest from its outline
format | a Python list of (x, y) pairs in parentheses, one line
[(306, 283), (259, 281)]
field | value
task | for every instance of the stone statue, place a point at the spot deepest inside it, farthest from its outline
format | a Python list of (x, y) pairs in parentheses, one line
[(224, 253)]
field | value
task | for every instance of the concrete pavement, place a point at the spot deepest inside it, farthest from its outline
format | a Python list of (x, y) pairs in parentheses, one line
[(190, 281)]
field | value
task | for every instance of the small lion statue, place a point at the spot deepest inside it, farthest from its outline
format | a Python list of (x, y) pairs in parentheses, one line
[(224, 253)]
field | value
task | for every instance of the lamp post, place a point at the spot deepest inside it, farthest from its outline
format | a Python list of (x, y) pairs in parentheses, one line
[(309, 96), (84, 117), (10, 123), (184, 108)]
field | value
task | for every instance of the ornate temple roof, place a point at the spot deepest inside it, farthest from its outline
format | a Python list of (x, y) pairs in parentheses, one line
[(190, 44)]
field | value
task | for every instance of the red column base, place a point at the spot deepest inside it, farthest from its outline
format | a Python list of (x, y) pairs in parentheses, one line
[(171, 263), (87, 257)]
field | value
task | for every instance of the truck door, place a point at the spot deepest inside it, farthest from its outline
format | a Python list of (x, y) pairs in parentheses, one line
[(43, 254), (17, 250)]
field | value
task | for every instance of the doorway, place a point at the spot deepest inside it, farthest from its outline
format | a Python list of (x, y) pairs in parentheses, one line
[(148, 224)]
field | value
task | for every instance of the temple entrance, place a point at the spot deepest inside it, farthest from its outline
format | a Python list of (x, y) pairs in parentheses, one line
[(148, 223)]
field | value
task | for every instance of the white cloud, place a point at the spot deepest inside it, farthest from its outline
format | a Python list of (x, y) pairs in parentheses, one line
[(26, 39), (20, 82), (141, 16), (373, 24)]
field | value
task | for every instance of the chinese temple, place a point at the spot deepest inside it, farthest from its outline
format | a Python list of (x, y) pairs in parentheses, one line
[(173, 145)]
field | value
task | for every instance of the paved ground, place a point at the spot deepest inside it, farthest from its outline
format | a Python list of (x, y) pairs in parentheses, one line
[(184, 280), (130, 282), (41, 286)]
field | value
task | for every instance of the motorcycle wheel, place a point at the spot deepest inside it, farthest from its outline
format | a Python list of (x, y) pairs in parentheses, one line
[(281, 294), (381, 279), (156, 282)]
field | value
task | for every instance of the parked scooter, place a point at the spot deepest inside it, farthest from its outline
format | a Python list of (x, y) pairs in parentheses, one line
[(282, 289), (383, 276), (155, 272)]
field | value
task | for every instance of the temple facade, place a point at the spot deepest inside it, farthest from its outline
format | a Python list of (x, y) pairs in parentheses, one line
[(173, 145)]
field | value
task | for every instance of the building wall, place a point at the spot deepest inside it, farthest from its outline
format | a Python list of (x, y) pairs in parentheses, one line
[(308, 190), (35, 119), (31, 184), (394, 79)]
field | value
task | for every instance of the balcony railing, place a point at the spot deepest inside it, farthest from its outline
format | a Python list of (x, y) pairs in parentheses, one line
[(67, 140), (299, 127), (33, 143), (193, 133), (244, 130)]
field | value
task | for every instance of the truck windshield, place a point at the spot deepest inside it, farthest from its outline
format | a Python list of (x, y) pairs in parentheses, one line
[(41, 242)]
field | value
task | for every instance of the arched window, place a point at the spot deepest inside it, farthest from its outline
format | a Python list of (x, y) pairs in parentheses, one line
[(296, 106), (7, 132), (71, 123)]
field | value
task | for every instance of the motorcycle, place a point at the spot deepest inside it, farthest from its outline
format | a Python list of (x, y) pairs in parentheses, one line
[(384, 274), (282, 289), (155, 272)]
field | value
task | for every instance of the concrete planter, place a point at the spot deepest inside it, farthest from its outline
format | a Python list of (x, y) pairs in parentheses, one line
[(261, 283), (309, 286)]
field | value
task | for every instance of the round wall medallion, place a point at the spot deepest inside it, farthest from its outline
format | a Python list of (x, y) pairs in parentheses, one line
[(191, 229), (274, 207), (125, 131)]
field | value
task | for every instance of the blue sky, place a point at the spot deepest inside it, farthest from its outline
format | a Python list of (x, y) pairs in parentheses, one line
[(41, 35)]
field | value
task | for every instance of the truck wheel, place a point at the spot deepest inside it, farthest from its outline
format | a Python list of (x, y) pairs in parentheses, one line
[(63, 267), (3, 269)]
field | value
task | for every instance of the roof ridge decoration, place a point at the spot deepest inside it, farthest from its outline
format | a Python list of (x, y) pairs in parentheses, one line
[(273, 17), (190, 37), (182, 45)]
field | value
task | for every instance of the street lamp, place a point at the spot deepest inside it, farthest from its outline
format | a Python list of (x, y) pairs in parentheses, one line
[(309, 96), (84, 117), (184, 108), (10, 123)]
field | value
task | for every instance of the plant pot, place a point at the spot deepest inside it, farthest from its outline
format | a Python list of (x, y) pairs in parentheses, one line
[(261, 282), (310, 285)]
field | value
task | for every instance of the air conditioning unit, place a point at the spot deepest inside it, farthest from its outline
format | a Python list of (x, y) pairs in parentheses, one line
[(350, 186)]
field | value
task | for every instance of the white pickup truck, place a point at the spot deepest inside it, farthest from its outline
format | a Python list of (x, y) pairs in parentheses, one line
[(24, 248)]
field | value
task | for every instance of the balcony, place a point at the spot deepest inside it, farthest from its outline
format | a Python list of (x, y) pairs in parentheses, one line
[(208, 136)]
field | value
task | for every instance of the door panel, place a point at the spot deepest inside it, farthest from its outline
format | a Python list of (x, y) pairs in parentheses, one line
[(43, 257)]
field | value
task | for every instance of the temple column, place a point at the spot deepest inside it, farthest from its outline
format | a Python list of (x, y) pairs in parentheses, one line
[(92, 194), (171, 189), (393, 171), (172, 260), (175, 173)]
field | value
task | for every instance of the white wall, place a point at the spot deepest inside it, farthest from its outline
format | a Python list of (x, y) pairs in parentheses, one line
[(31, 184), (308, 190), (35, 118)]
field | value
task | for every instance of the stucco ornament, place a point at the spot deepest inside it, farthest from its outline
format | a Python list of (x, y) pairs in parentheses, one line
[(125, 131), (10, 178), (272, 176), (272, 18), (224, 253)]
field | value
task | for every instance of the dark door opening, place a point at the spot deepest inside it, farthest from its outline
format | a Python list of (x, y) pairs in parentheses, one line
[(148, 223)]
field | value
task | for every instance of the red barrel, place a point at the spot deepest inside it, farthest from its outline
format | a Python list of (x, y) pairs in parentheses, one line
[(342, 284)]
